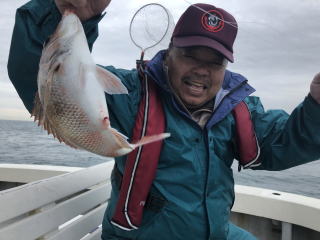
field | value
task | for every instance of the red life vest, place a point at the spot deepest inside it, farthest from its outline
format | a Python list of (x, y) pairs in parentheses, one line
[(141, 164)]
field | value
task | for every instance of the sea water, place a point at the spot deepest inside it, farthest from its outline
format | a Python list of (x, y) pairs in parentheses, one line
[(25, 143)]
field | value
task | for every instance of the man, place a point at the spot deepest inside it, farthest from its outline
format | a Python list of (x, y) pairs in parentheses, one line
[(193, 186)]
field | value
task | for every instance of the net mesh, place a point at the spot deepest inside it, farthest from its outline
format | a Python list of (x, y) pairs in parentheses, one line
[(151, 28)]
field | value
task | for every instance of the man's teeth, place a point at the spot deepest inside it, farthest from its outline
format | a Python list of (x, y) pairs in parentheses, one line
[(195, 84)]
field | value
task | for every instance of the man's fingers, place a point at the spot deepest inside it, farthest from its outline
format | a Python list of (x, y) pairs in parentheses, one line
[(79, 3), (315, 88), (85, 9), (316, 78)]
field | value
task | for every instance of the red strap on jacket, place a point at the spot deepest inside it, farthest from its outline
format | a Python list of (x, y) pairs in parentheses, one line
[(141, 164), (248, 146)]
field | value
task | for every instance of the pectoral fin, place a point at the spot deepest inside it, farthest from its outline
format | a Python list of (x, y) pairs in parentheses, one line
[(110, 82), (150, 139), (120, 138), (127, 147)]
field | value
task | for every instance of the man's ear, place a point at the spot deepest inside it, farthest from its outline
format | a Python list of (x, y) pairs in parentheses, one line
[(165, 60)]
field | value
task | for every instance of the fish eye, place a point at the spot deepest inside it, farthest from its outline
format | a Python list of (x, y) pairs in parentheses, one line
[(57, 68)]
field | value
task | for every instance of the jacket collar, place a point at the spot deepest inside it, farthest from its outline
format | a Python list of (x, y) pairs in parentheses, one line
[(234, 89), (155, 69)]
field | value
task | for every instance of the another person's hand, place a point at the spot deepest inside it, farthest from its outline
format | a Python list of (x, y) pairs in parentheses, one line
[(315, 88), (85, 9)]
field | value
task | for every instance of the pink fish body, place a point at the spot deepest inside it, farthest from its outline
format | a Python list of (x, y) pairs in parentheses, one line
[(70, 103)]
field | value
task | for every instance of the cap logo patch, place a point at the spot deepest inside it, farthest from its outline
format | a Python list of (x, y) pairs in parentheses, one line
[(212, 21)]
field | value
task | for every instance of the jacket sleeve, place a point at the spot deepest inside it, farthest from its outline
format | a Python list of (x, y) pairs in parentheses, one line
[(35, 22), (287, 141)]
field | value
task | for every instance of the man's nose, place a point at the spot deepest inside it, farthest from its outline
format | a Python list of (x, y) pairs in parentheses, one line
[(202, 70)]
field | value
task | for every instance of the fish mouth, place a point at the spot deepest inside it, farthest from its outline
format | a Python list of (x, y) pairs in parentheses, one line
[(69, 25), (67, 12)]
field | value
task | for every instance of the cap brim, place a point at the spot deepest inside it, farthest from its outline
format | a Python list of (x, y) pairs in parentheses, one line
[(189, 41)]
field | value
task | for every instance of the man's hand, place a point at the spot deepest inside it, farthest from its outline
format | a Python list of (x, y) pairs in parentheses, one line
[(85, 9), (315, 88)]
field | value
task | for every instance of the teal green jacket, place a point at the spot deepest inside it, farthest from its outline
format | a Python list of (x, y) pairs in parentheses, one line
[(194, 173)]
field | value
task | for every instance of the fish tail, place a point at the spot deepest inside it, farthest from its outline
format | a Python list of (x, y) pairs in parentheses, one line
[(150, 139)]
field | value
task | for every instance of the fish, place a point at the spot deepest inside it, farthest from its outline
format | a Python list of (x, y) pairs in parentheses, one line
[(70, 102)]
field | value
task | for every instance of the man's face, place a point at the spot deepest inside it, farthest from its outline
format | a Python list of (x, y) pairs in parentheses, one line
[(195, 73)]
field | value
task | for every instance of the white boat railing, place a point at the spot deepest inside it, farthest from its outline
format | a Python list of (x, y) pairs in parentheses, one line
[(68, 206), (281, 206), (69, 203)]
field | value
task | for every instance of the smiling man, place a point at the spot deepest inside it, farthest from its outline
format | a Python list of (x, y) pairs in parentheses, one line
[(195, 73), (183, 187)]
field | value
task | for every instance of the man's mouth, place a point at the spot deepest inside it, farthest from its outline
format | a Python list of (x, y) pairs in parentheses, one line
[(195, 85)]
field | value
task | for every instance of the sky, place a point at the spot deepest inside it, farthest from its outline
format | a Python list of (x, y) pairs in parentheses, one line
[(277, 48)]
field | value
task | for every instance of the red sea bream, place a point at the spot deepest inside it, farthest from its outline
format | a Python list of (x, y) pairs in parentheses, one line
[(70, 103)]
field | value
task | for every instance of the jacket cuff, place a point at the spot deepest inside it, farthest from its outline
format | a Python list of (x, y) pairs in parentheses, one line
[(312, 109), (44, 14)]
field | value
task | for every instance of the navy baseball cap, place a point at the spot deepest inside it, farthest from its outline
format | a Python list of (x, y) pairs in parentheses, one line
[(205, 25)]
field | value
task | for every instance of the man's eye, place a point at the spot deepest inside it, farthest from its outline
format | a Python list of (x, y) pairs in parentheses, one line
[(216, 63), (189, 57)]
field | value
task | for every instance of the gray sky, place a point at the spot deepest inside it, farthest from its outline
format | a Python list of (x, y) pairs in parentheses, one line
[(277, 47)]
